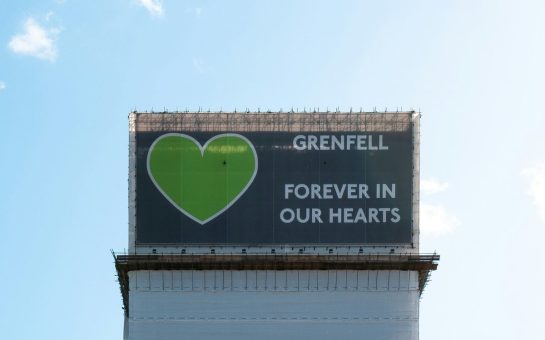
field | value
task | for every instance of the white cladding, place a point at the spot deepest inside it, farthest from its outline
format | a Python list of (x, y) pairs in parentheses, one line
[(290, 304)]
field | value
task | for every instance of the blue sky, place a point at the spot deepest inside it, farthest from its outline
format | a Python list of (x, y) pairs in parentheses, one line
[(70, 71)]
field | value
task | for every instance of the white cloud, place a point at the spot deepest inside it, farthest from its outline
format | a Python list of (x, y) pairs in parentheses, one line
[(435, 220), (155, 7), (2, 85), (536, 188), (432, 186), (35, 41)]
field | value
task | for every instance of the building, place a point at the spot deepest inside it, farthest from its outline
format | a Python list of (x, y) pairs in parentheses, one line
[(277, 225)]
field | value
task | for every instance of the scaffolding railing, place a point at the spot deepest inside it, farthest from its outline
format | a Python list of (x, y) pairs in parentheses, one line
[(421, 263), (274, 121)]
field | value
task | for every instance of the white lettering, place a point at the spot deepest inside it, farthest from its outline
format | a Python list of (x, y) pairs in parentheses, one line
[(324, 142), (315, 191), (351, 191), (312, 140), (395, 214), (373, 212), (384, 211), (361, 142), (290, 213), (363, 191), (316, 215), (302, 218), (381, 145), (327, 191), (341, 142), (288, 189), (386, 191), (298, 193), (340, 191), (360, 216), (337, 143), (335, 215), (299, 142), (371, 147), (348, 215), (350, 140)]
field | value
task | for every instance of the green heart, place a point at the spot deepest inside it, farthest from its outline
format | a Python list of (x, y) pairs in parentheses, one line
[(202, 181)]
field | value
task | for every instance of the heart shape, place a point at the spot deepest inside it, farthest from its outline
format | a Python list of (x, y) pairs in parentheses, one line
[(202, 181)]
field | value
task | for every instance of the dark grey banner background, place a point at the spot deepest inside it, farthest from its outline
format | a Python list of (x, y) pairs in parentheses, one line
[(254, 218)]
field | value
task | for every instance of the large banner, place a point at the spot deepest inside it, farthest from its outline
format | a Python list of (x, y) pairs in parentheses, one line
[(267, 188)]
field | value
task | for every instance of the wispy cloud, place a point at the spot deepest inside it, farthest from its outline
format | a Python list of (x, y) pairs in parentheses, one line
[(197, 11), (2, 85), (536, 187), (432, 186), (200, 66), (435, 219), (49, 15), (154, 7), (35, 41)]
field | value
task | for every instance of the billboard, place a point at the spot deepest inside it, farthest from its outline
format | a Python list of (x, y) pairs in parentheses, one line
[(269, 179)]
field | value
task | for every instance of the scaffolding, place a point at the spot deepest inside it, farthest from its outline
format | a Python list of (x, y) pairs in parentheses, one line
[(273, 122), (294, 122), (206, 259)]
